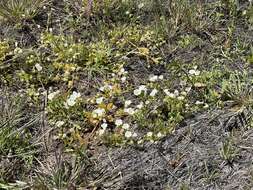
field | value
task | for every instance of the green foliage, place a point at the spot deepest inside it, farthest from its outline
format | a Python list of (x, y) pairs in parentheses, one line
[(18, 10), (65, 174), (15, 138), (124, 72), (238, 88), (231, 6), (228, 151), (12, 129), (4, 50)]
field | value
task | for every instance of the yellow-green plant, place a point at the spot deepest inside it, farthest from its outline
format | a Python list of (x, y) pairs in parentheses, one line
[(4, 49)]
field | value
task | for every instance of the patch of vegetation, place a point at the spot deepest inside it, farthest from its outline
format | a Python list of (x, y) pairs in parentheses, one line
[(18, 10), (90, 74)]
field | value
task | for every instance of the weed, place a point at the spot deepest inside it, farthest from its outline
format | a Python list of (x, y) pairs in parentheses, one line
[(18, 10), (238, 88), (16, 141), (228, 151)]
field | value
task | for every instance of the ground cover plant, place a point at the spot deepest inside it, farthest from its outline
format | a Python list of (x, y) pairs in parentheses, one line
[(126, 94)]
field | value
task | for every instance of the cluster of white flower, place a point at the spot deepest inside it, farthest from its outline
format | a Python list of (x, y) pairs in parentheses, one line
[(139, 90), (154, 78), (118, 122), (175, 94), (106, 87), (130, 111), (140, 105), (127, 103), (150, 134), (194, 71), (122, 73), (97, 113), (53, 94), (104, 127), (71, 101), (125, 126), (129, 134)]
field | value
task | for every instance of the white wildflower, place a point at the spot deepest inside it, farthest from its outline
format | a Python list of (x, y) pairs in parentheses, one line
[(153, 78), (101, 132), (150, 134), (118, 122), (168, 93), (159, 135), (105, 87), (99, 100), (52, 95), (59, 123), (72, 99), (180, 97), (123, 79), (199, 102), (128, 134), (206, 106), (197, 72), (176, 92), (183, 93), (140, 105), (71, 102), (134, 135), (147, 102), (98, 112), (75, 95), (122, 71), (137, 92), (161, 77), (143, 88), (153, 92), (188, 89), (38, 67), (141, 5), (104, 126), (192, 72), (125, 126), (128, 103), (130, 111)]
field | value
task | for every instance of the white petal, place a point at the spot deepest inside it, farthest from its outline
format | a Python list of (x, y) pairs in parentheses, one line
[(128, 134)]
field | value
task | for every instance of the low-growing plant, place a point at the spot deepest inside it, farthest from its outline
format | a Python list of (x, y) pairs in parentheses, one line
[(4, 50), (18, 10), (228, 151), (16, 140), (238, 88)]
